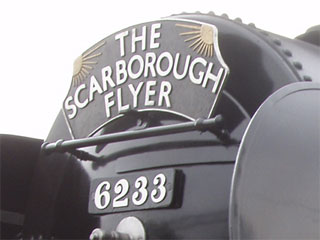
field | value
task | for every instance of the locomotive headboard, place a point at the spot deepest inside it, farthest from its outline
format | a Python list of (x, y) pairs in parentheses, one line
[(156, 118)]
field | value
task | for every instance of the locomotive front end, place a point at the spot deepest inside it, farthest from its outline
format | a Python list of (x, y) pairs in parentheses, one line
[(146, 142)]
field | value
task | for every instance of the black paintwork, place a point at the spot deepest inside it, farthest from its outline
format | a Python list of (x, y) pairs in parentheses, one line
[(18, 157), (275, 192), (259, 66), (311, 36)]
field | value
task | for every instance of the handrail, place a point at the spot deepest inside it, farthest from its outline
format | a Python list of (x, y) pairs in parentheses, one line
[(69, 145)]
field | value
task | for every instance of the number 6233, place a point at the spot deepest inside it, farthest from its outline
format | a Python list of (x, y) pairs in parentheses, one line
[(132, 192)]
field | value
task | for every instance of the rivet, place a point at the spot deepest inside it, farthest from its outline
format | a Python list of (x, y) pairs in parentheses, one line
[(297, 65), (211, 13), (307, 78), (224, 15), (238, 20), (58, 144), (44, 145), (277, 42), (139, 122), (287, 52), (252, 25)]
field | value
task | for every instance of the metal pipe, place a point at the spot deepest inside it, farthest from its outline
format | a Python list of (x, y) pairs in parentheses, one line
[(65, 146)]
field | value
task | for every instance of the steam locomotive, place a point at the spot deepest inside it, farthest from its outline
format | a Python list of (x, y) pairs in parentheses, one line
[(194, 126)]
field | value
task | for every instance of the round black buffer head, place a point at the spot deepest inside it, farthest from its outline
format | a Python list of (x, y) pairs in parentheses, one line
[(276, 186)]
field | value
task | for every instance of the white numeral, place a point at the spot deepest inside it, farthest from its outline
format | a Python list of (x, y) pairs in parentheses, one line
[(140, 197), (121, 188), (102, 198), (158, 195)]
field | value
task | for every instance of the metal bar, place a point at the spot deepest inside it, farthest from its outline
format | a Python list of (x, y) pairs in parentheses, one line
[(65, 146), (14, 218)]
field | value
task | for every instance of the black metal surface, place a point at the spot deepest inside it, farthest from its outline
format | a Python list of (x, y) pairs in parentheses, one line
[(312, 35), (18, 158), (202, 214), (111, 205), (260, 63), (127, 65), (275, 191), (200, 125)]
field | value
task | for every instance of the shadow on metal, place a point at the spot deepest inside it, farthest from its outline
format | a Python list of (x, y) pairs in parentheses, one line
[(275, 191)]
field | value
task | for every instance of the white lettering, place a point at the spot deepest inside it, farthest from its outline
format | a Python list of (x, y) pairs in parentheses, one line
[(154, 35), (136, 75), (165, 90), (135, 93), (106, 73), (136, 39), (119, 97), (150, 92), (212, 77), (69, 106), (176, 65), (169, 58), (149, 65), (120, 36), (94, 87), (108, 103), (191, 70), (77, 96), (121, 71)]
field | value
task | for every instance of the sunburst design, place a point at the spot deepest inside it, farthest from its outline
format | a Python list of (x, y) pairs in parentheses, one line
[(83, 64), (201, 38)]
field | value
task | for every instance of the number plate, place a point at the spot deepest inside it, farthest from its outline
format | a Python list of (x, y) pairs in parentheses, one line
[(132, 192)]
